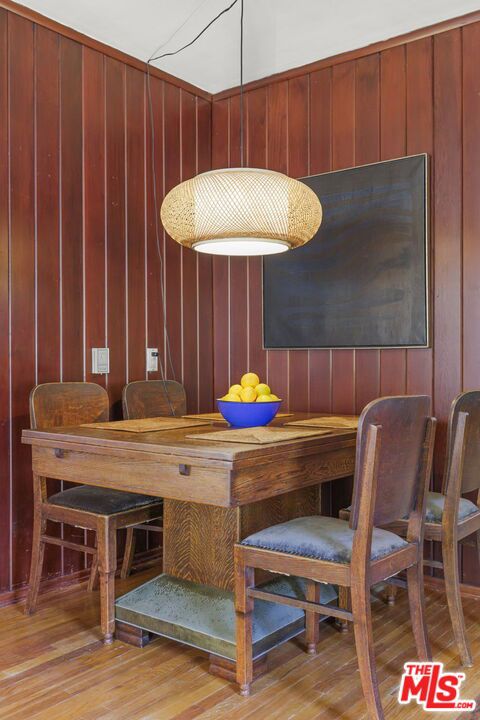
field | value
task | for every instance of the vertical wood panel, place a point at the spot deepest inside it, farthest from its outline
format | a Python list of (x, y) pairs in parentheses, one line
[(72, 245), (221, 295), (343, 155), (471, 245), (22, 254), (189, 260), (205, 268), (154, 250), (238, 266), (367, 150), (47, 154), (277, 128), (257, 157), (298, 166), (393, 145), (471, 206), (115, 223), (47, 189), (420, 140), (135, 182), (448, 222), (320, 361), (173, 253), (5, 477), (71, 210), (94, 206)]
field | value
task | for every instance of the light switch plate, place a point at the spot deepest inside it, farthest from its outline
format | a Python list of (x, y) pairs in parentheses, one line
[(152, 359), (100, 361)]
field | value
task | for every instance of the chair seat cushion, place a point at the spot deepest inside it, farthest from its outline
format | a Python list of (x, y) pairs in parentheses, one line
[(436, 503), (323, 538), (100, 500)]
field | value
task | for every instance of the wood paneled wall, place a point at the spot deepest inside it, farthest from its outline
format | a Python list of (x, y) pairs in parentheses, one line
[(421, 96), (79, 266)]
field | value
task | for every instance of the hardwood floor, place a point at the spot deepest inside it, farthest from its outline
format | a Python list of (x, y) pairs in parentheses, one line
[(53, 666)]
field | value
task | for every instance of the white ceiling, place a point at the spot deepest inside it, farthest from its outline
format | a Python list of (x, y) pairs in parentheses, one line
[(279, 34)]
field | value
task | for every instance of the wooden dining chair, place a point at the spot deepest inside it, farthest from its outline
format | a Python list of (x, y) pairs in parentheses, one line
[(393, 461), (93, 508), (145, 399), (450, 518)]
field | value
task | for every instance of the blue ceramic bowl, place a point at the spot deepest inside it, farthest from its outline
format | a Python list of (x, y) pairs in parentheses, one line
[(251, 414)]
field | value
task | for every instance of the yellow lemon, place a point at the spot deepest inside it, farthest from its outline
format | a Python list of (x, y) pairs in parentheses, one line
[(274, 397), (250, 380), (231, 397), (248, 394), (235, 389), (262, 389), (264, 398)]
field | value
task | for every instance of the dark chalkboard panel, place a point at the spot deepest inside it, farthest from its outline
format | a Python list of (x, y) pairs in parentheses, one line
[(363, 279)]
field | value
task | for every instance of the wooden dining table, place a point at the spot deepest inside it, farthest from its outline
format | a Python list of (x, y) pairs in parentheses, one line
[(215, 494)]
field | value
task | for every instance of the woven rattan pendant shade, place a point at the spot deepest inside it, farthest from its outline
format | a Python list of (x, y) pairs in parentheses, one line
[(241, 211)]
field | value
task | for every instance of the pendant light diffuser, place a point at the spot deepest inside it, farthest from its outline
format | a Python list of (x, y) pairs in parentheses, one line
[(241, 211)]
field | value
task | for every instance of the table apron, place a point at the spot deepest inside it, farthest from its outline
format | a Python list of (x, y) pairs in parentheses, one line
[(160, 476), (275, 478)]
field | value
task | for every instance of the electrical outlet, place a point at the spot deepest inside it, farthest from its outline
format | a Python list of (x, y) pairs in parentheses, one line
[(152, 359), (100, 361)]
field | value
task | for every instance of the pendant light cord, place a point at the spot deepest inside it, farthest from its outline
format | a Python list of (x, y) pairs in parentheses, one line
[(184, 47), (242, 160), (164, 367)]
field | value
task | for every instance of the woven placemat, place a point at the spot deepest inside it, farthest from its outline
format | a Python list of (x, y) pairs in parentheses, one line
[(343, 422), (219, 417), (147, 424), (259, 435)]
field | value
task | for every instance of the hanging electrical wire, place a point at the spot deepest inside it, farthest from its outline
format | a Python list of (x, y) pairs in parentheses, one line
[(153, 58)]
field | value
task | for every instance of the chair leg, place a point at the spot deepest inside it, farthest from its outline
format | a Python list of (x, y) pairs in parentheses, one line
[(244, 578), (416, 599), (107, 560), (93, 579), (312, 631), (452, 589), (36, 563), (128, 554), (362, 625), (391, 594), (345, 604)]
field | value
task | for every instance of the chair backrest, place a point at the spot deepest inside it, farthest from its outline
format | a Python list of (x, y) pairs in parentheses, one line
[(404, 422), (67, 403), (153, 398), (467, 402)]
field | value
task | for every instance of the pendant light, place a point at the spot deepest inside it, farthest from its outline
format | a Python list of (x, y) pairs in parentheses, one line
[(241, 211)]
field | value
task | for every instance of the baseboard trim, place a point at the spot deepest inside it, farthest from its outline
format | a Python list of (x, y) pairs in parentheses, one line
[(60, 583)]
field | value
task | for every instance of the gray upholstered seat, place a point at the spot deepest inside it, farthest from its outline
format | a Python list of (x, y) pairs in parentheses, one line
[(436, 503), (323, 538), (99, 500)]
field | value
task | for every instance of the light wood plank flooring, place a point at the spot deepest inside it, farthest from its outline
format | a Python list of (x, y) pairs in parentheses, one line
[(54, 667)]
